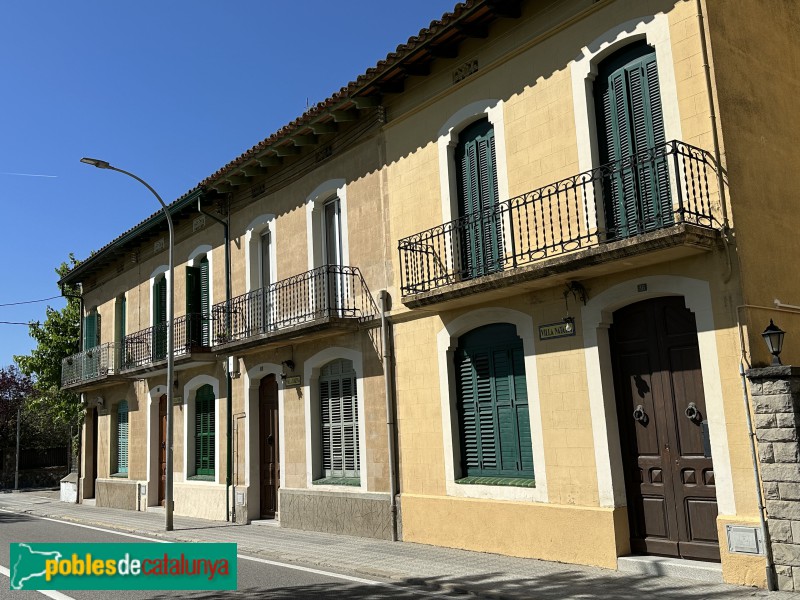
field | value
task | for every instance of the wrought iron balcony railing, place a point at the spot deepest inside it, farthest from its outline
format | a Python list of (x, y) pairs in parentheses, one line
[(327, 292), (191, 334), (92, 364), (655, 189)]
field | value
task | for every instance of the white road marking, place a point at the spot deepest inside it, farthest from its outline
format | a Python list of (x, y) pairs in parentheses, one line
[(49, 593), (245, 557)]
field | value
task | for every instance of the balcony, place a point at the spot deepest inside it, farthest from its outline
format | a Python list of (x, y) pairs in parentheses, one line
[(650, 207), (324, 301), (97, 364), (147, 349)]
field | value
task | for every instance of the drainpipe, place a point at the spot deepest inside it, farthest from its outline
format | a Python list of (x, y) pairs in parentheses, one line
[(712, 114), (229, 514), (388, 356), (80, 437)]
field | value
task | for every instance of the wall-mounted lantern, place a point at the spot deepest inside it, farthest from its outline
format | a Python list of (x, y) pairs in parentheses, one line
[(773, 336)]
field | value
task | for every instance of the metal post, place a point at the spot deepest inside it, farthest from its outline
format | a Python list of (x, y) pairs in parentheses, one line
[(168, 501), (16, 466)]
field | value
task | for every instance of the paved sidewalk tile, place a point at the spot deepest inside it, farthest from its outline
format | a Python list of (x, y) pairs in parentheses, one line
[(429, 567)]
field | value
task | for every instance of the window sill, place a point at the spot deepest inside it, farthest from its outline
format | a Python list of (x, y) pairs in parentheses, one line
[(119, 475), (201, 478), (502, 481), (349, 481)]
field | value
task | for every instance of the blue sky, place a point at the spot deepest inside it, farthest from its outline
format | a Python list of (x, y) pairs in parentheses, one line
[(170, 90)]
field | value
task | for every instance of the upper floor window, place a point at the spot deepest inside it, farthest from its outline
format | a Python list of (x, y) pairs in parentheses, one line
[(327, 234), (476, 176), (630, 128), (198, 307), (160, 317), (332, 250), (91, 329)]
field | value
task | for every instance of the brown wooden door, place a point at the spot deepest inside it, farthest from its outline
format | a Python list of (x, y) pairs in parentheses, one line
[(162, 449), (95, 457), (269, 454), (669, 474)]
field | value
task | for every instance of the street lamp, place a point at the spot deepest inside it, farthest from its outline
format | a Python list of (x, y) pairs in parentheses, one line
[(102, 164)]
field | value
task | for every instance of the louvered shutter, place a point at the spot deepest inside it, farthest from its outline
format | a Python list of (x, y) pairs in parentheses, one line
[(122, 437), (205, 305), (637, 190), (205, 422), (339, 420), (159, 318), (192, 306), (476, 176), (90, 330), (492, 404)]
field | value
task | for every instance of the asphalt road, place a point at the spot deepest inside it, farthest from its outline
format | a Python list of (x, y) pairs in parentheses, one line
[(257, 578)]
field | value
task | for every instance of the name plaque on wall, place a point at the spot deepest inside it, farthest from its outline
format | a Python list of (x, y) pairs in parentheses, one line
[(292, 381), (556, 330)]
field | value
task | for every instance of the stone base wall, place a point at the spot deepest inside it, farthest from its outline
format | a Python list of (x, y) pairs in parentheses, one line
[(775, 393), (348, 513), (118, 493)]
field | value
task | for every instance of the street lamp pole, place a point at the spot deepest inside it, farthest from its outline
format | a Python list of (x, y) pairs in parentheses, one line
[(101, 164)]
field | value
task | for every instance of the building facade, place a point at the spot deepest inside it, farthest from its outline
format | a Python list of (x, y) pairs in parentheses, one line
[(561, 211)]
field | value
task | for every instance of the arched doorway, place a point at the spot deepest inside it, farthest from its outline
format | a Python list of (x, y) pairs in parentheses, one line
[(669, 473), (162, 449), (269, 447)]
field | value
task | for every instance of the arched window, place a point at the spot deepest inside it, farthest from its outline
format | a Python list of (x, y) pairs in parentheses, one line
[(631, 141), (492, 404), (204, 430), (122, 438), (339, 420)]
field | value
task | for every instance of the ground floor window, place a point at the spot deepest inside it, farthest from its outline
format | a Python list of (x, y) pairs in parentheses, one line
[(339, 420), (204, 421), (492, 404), (122, 438)]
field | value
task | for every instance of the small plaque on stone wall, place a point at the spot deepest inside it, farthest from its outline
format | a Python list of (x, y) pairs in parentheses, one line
[(292, 381)]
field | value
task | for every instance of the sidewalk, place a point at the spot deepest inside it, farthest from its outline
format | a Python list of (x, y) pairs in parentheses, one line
[(425, 567)]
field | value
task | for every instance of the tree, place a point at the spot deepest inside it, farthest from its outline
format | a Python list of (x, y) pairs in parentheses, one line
[(56, 338), (15, 387)]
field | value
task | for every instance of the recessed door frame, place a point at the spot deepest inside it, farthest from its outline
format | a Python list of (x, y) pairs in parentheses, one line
[(595, 320)]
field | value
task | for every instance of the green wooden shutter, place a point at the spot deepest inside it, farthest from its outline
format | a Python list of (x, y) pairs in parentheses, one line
[(637, 192), (205, 303), (122, 437), (339, 420), (205, 420), (159, 318), (476, 175), (90, 330), (492, 403), (192, 306)]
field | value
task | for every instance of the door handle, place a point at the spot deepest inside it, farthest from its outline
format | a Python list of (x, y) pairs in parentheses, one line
[(639, 415), (692, 413)]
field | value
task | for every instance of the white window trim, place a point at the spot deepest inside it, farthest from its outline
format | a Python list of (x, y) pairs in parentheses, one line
[(447, 342), (162, 269), (189, 397), (655, 30), (315, 221), (448, 140), (311, 369), (252, 251), (597, 317), (194, 261), (252, 381)]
